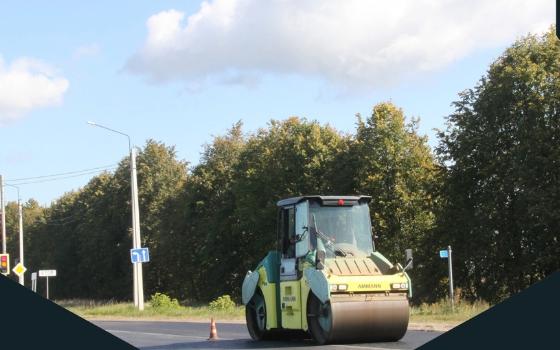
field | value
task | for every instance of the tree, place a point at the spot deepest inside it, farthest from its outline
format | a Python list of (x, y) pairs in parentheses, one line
[(396, 167), (86, 234), (205, 228), (502, 151), (160, 178), (209, 217), (290, 158)]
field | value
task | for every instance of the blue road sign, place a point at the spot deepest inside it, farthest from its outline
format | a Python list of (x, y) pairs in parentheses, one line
[(139, 255), (443, 254)]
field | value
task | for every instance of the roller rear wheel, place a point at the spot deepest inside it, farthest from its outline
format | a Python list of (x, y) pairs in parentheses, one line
[(255, 315)]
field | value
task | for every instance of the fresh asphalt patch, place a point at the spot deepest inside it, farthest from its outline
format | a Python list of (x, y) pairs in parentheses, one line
[(157, 335)]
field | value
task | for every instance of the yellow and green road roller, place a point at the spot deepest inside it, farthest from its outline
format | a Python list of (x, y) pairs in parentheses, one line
[(325, 278)]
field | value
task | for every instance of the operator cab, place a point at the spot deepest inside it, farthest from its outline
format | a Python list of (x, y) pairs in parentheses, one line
[(312, 228)]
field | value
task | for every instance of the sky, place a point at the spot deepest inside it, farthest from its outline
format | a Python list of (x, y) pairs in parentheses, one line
[(182, 72)]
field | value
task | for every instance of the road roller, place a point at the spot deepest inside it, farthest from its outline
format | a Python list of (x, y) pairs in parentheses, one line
[(325, 278)]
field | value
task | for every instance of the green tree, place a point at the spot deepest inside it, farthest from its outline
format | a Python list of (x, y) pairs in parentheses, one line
[(502, 151), (86, 234), (394, 165), (161, 177), (210, 205), (290, 158), (206, 227)]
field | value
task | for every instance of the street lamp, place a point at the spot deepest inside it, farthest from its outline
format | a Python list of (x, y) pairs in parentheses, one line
[(20, 218), (138, 289)]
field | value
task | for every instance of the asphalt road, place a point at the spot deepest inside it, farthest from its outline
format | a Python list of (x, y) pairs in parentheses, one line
[(150, 335)]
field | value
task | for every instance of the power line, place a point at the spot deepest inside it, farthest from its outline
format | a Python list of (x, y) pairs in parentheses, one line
[(63, 177), (60, 174), (61, 220), (48, 223)]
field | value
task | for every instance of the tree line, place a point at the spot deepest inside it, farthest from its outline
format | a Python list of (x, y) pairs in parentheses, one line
[(490, 189)]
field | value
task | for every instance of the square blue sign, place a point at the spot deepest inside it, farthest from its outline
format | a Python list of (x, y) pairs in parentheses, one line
[(139, 255)]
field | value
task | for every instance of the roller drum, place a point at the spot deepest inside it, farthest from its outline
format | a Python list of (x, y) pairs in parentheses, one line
[(349, 318)]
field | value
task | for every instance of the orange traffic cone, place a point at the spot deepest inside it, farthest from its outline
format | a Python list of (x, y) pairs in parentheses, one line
[(213, 331)]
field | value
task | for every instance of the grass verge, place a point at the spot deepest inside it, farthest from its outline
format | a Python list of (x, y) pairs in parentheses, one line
[(441, 312), (96, 309), (436, 313)]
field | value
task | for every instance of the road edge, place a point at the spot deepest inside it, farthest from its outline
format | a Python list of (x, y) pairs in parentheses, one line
[(413, 326)]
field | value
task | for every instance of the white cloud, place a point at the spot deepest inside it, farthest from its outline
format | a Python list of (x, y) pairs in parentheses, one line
[(347, 42), (86, 51), (27, 84)]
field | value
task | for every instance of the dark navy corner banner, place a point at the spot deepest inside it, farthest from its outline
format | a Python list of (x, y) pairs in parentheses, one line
[(527, 320), (29, 321), (557, 18)]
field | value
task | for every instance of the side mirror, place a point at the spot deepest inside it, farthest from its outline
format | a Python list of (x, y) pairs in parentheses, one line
[(409, 259), (320, 259), (301, 236)]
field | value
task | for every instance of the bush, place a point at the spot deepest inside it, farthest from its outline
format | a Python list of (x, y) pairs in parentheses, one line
[(163, 301), (223, 303)]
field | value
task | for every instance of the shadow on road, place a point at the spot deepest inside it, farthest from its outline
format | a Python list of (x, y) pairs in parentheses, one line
[(233, 344)]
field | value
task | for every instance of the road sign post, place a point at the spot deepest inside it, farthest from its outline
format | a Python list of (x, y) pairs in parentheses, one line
[(47, 274), (450, 265), (446, 254)]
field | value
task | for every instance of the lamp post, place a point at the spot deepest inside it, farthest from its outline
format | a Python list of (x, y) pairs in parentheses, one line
[(138, 289), (20, 222)]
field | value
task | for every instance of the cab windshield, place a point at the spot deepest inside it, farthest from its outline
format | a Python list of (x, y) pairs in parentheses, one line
[(342, 230)]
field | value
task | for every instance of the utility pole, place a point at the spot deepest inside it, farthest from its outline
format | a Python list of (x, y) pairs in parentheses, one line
[(135, 243), (21, 276), (138, 284), (3, 215), (136, 227), (20, 214)]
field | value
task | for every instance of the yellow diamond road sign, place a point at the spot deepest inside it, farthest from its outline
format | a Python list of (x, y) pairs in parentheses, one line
[(19, 269)]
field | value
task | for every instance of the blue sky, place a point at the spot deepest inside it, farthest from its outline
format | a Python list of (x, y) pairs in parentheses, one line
[(182, 76)]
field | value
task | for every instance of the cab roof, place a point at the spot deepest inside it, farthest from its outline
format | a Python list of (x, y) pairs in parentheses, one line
[(325, 200)]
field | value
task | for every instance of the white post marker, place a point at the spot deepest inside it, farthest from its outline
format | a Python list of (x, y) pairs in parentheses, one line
[(47, 274), (34, 282)]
